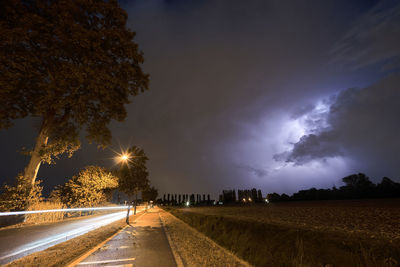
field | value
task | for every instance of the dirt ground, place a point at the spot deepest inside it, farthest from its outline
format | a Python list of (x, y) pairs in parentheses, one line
[(378, 218)]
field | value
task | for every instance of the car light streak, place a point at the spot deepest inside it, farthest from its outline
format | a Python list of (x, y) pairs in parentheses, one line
[(61, 210), (89, 225)]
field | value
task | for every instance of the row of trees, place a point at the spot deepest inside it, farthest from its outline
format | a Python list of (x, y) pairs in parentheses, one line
[(246, 195), (183, 199), (356, 186)]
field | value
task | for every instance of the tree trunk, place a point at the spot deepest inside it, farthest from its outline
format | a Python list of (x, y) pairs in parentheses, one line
[(32, 168)]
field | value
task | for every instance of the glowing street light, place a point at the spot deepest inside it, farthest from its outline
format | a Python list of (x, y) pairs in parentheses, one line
[(123, 158)]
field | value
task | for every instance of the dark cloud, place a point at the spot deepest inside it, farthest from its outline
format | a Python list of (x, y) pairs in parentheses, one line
[(226, 80), (223, 76), (361, 125), (364, 125), (374, 38), (261, 173)]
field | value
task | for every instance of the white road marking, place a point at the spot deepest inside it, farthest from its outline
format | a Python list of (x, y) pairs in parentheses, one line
[(107, 261), (93, 250)]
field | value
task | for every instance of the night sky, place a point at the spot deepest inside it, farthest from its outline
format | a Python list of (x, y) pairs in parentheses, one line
[(277, 95)]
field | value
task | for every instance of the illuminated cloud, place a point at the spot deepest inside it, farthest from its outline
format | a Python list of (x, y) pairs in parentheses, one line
[(234, 83), (362, 124)]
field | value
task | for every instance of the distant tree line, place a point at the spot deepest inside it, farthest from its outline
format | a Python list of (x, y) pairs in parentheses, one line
[(246, 195), (184, 199), (356, 186)]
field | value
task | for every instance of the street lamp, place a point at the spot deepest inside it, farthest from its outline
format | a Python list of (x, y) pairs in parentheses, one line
[(123, 158)]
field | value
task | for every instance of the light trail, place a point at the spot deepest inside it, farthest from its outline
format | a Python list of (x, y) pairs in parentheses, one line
[(61, 210), (41, 244)]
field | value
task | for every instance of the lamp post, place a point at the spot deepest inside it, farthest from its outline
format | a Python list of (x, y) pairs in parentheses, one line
[(123, 159)]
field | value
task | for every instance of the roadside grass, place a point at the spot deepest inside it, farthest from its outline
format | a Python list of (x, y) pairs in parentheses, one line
[(194, 248), (64, 253), (268, 244)]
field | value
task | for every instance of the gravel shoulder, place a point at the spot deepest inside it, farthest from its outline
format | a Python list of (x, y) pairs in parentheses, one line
[(194, 248)]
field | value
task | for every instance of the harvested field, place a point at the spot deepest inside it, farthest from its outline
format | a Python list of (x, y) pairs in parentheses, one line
[(315, 233), (375, 218)]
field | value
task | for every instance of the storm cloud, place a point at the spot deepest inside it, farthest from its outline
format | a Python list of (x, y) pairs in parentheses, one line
[(363, 124), (374, 38), (240, 96), (360, 124)]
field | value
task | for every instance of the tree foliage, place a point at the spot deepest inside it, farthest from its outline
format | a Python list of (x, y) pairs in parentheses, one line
[(17, 197), (73, 64), (149, 194), (133, 175), (92, 186), (356, 186)]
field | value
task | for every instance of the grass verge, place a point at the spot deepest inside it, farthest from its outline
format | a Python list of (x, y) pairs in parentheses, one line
[(264, 244), (66, 252), (194, 248)]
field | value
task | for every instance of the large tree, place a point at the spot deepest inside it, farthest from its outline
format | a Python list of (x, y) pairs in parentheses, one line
[(71, 63)]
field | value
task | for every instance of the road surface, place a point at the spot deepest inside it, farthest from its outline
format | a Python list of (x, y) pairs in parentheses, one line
[(143, 243), (18, 242)]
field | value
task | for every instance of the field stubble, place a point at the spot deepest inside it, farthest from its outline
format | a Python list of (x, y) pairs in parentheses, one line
[(315, 233), (378, 218)]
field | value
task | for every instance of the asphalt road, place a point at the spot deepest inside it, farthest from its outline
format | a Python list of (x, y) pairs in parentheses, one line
[(143, 243), (18, 242)]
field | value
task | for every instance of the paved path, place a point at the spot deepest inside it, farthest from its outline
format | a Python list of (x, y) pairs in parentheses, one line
[(19, 242), (143, 243)]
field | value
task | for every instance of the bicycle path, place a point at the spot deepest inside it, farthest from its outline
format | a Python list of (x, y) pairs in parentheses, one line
[(142, 243)]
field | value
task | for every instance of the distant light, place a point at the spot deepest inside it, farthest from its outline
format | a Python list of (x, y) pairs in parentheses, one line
[(187, 203), (266, 200), (249, 199), (244, 200)]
